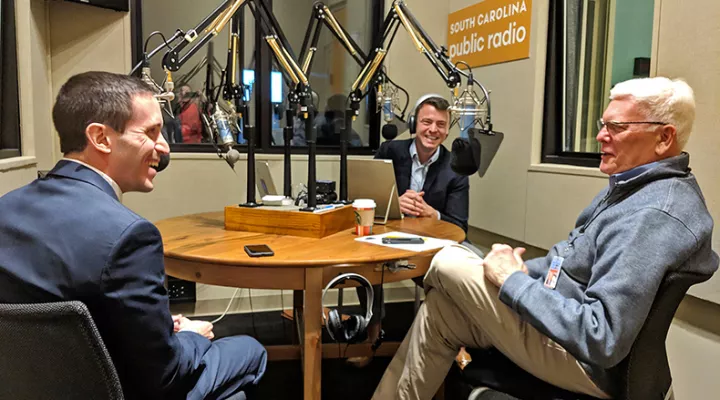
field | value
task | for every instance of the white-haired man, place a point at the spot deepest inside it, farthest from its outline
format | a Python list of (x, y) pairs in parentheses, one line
[(567, 318)]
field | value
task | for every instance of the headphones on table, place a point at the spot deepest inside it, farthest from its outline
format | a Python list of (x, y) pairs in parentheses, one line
[(412, 119), (354, 329)]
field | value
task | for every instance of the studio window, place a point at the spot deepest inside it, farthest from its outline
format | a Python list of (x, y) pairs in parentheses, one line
[(592, 45), (10, 114), (199, 83)]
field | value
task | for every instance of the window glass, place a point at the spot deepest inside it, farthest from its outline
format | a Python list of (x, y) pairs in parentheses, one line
[(10, 111), (592, 45)]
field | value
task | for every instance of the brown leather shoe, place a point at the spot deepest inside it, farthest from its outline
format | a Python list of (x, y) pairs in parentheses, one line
[(359, 362), (463, 358)]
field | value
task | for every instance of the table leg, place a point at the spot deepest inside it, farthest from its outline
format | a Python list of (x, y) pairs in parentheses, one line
[(297, 314), (312, 334)]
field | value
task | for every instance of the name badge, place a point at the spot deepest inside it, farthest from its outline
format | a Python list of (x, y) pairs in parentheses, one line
[(554, 272)]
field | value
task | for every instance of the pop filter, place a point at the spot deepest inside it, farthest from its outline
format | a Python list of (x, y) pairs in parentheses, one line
[(389, 131), (466, 155), (392, 129), (489, 143)]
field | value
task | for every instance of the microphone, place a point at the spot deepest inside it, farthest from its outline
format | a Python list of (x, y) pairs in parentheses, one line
[(389, 131), (387, 109), (231, 157), (469, 110), (163, 96), (389, 99), (164, 162), (225, 138), (222, 126)]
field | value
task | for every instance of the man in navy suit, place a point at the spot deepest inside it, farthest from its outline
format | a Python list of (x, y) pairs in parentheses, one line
[(429, 187), (67, 236)]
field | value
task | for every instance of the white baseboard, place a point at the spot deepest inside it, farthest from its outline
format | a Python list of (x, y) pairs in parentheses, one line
[(272, 300)]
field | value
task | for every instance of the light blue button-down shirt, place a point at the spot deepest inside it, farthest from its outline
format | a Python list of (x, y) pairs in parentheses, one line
[(419, 171)]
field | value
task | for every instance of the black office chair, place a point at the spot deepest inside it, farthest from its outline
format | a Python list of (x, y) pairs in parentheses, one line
[(643, 375), (54, 351)]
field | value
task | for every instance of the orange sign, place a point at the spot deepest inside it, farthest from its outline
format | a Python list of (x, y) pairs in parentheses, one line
[(490, 32)]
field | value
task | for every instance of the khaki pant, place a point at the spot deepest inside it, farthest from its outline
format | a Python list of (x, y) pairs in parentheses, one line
[(462, 308)]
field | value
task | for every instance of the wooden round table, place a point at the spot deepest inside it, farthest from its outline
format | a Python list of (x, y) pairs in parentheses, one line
[(198, 248)]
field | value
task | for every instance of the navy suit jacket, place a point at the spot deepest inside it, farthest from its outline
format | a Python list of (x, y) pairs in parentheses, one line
[(445, 191), (67, 237)]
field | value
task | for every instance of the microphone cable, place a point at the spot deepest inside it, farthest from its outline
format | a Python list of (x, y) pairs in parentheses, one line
[(407, 95), (153, 34)]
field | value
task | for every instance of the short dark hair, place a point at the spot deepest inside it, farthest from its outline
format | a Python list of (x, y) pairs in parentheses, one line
[(94, 97), (439, 103), (336, 102)]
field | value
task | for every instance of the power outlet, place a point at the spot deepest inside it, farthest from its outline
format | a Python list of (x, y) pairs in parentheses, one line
[(181, 291)]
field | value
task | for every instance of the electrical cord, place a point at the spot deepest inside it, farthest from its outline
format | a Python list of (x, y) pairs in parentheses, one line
[(381, 334), (407, 95), (216, 320), (463, 63), (153, 34), (252, 314), (219, 88)]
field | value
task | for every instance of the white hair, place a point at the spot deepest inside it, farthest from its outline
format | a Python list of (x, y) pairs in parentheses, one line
[(663, 100)]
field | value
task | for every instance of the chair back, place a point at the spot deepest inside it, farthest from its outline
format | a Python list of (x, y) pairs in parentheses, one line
[(54, 351), (645, 372)]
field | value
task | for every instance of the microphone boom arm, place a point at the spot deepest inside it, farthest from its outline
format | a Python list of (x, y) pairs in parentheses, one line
[(400, 14), (320, 15), (210, 27)]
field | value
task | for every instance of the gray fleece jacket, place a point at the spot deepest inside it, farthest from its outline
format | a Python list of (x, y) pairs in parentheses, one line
[(648, 221)]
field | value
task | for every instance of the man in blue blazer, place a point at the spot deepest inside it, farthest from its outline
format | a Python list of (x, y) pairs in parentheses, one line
[(429, 188), (427, 185), (67, 236)]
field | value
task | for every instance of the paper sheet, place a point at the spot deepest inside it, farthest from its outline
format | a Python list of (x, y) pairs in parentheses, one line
[(430, 243)]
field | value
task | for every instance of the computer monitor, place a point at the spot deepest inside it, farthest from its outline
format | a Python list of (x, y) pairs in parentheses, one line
[(265, 184), (276, 84), (375, 179)]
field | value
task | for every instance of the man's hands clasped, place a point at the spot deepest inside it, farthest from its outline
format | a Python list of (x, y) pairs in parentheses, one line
[(502, 261), (203, 328), (413, 203)]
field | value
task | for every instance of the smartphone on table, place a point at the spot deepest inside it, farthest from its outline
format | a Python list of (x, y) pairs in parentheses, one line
[(402, 240), (258, 250)]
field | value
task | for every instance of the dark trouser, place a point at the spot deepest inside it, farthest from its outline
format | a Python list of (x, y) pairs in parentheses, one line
[(378, 298), (230, 366)]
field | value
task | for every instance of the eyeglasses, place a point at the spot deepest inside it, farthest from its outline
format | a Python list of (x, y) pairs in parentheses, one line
[(619, 126)]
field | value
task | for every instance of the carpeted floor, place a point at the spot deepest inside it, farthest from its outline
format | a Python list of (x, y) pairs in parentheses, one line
[(283, 379)]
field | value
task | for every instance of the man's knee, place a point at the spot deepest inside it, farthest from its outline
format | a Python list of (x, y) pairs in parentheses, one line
[(255, 351), (450, 260), (246, 353)]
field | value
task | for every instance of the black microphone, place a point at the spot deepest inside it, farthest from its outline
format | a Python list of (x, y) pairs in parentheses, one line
[(163, 163), (389, 131), (465, 155)]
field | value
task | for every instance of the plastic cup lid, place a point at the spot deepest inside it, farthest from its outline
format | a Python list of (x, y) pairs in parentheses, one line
[(364, 203)]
